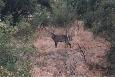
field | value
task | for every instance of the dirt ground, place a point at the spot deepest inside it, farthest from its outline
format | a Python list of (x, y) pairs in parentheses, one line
[(86, 58)]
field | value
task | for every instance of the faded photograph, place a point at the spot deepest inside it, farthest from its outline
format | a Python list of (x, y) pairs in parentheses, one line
[(57, 38)]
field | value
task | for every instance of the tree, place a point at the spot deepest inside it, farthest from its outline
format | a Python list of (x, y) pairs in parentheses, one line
[(1, 4), (21, 8)]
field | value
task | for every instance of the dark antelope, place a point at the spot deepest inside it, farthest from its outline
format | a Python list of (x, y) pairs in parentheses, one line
[(61, 38)]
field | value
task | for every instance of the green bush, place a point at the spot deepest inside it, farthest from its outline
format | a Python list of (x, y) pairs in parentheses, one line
[(13, 49)]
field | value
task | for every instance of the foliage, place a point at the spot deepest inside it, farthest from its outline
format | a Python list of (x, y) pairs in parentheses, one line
[(41, 17), (6, 56), (1, 4), (20, 8), (60, 15), (13, 50), (15, 42)]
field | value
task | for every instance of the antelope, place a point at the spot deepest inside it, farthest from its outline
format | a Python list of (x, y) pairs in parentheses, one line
[(61, 38)]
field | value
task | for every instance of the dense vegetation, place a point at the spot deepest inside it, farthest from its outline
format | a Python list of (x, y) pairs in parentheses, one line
[(20, 17)]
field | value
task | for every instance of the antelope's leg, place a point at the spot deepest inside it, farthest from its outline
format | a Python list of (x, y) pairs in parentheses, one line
[(69, 45), (56, 44)]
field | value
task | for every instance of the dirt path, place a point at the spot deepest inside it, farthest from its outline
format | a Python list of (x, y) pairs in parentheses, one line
[(86, 58)]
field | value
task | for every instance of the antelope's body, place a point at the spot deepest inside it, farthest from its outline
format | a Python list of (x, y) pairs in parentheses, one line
[(61, 38)]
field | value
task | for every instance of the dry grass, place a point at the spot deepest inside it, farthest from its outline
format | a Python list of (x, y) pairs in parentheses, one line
[(86, 58)]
